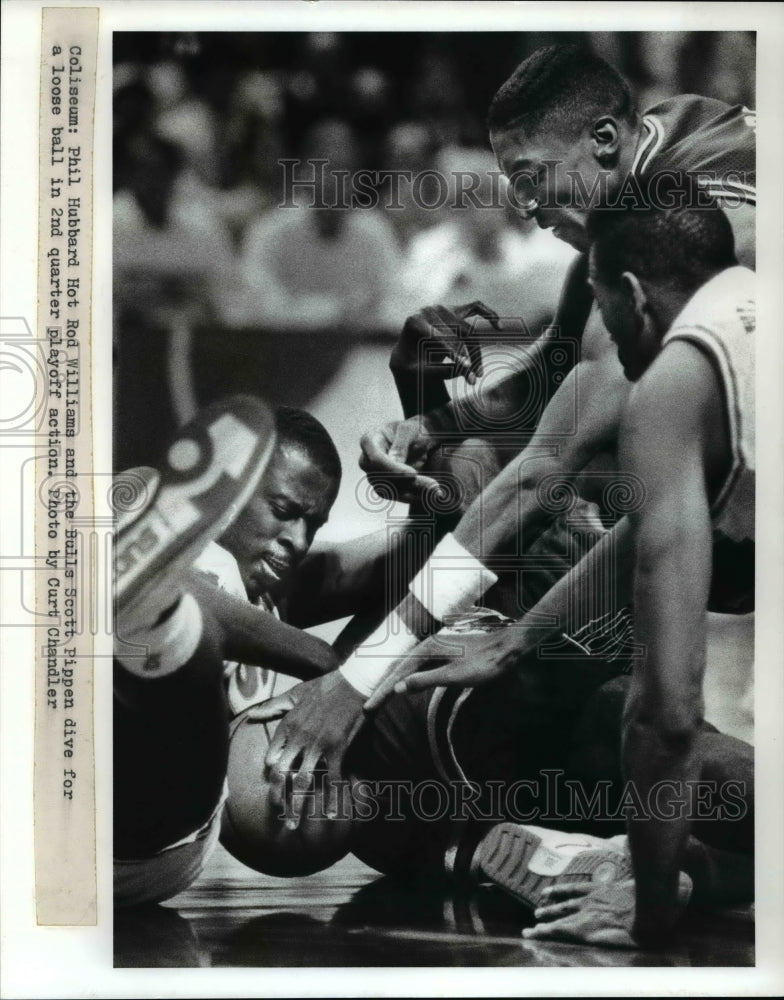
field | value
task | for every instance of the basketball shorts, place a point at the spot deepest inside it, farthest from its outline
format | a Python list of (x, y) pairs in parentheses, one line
[(169, 871)]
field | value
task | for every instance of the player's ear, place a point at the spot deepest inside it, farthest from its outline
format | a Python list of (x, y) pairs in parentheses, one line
[(636, 294), (605, 141)]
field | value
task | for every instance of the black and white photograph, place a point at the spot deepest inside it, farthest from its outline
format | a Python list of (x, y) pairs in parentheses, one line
[(434, 391), (380, 499)]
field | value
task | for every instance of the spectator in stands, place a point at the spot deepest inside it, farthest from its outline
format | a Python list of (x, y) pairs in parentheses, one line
[(437, 95), (171, 261), (309, 267), (410, 148), (167, 254), (317, 83), (254, 149), (475, 253)]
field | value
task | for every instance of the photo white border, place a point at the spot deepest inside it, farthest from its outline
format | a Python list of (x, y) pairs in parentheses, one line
[(77, 962)]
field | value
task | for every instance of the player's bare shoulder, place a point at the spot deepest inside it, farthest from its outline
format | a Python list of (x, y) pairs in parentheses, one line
[(678, 399)]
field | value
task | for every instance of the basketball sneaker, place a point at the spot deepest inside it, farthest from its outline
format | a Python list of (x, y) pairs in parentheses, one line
[(526, 860), (209, 473)]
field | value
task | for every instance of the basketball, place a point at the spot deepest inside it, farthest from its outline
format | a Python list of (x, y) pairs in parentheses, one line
[(253, 828)]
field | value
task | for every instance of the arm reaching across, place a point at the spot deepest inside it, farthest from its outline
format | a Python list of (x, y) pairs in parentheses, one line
[(484, 657), (580, 423)]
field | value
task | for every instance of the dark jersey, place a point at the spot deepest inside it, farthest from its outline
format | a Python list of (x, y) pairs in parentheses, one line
[(704, 137), (717, 143), (685, 134)]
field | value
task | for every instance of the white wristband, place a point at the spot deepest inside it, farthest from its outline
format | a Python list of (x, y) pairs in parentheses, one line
[(452, 580), (369, 663), (165, 647)]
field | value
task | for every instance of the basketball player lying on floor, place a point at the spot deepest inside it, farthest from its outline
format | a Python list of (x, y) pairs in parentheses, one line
[(682, 314), (171, 722)]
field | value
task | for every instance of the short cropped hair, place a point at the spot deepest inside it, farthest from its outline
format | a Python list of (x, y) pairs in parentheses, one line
[(563, 86), (681, 247), (300, 429)]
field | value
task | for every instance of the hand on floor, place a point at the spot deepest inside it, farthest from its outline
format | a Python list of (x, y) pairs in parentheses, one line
[(582, 913)]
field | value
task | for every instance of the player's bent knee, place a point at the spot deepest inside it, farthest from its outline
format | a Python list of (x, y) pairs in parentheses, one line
[(253, 827)]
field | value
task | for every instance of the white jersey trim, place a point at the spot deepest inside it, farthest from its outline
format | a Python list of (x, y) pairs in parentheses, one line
[(650, 144), (702, 337), (718, 187)]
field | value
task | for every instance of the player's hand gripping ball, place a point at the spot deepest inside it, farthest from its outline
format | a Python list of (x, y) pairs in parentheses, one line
[(254, 829)]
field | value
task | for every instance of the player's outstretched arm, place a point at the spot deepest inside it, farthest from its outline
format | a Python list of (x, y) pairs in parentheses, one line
[(580, 423), (470, 660), (251, 635), (664, 443)]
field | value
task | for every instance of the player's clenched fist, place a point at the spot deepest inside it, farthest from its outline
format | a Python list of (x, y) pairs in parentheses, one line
[(438, 341)]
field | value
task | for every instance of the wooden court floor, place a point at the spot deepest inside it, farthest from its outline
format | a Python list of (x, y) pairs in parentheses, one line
[(350, 916)]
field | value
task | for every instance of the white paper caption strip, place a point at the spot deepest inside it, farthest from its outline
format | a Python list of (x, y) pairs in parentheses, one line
[(64, 782)]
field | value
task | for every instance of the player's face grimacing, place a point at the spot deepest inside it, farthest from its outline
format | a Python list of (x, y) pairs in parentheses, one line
[(273, 533)]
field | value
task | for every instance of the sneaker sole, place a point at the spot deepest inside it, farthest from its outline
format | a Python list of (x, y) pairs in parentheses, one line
[(209, 473), (515, 859)]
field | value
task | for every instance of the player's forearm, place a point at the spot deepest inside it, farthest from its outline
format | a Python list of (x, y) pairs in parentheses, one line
[(510, 506), (660, 770), (361, 576), (267, 642), (253, 636), (665, 705), (420, 394), (440, 589), (497, 405)]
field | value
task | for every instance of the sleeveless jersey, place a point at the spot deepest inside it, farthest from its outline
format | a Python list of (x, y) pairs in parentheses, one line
[(245, 685), (710, 140), (684, 134), (721, 320), (705, 137)]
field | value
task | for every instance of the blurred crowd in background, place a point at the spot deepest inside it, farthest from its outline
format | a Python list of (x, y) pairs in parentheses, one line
[(206, 262)]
